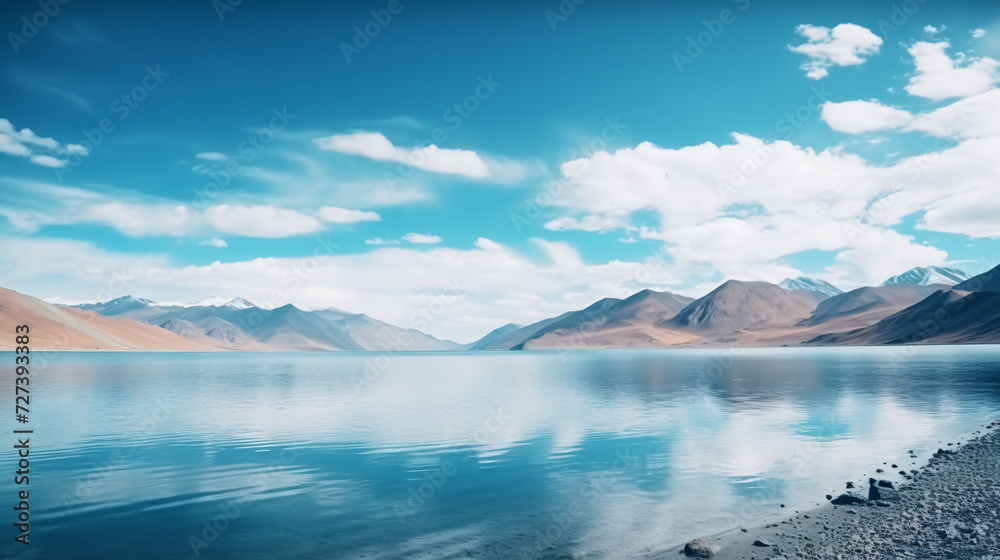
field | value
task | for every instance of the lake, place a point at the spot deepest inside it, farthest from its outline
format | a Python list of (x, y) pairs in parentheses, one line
[(591, 454)]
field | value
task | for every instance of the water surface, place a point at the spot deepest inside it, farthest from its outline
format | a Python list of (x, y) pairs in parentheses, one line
[(468, 455)]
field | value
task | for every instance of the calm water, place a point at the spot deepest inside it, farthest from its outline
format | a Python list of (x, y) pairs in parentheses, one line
[(451, 455)]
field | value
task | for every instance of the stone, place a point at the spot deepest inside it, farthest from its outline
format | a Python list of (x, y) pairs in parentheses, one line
[(701, 548), (848, 498), (882, 493), (886, 484), (850, 485), (760, 542)]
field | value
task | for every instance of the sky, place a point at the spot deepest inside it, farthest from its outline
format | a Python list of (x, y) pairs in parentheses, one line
[(466, 165)]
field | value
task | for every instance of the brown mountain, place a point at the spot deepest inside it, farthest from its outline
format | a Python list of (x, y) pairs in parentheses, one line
[(736, 306), (944, 317)]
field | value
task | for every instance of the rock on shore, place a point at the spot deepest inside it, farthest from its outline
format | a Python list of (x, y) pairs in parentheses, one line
[(950, 508)]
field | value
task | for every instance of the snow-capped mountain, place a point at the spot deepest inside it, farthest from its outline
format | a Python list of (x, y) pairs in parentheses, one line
[(216, 301), (812, 285), (927, 275)]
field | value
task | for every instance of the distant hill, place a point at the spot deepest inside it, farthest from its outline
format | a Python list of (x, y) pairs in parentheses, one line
[(63, 328), (239, 322), (736, 305), (812, 285), (927, 275)]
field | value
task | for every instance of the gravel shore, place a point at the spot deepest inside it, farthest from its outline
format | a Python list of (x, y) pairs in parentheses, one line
[(949, 508)]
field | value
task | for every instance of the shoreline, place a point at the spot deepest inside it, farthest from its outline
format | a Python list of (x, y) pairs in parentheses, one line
[(950, 509)]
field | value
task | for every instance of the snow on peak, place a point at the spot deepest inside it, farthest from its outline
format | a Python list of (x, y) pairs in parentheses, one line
[(216, 301), (927, 275), (811, 284)]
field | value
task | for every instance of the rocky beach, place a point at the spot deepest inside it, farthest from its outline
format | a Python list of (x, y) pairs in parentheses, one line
[(947, 508)]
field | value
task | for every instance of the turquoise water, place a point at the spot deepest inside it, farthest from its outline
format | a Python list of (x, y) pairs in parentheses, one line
[(466, 455)]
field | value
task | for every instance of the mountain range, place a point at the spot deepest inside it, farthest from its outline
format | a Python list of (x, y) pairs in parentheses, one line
[(923, 305)]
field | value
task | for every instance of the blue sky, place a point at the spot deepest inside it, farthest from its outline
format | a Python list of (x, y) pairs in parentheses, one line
[(864, 131)]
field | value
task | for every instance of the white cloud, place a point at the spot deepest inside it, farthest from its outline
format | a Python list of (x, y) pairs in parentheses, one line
[(939, 77), (978, 33), (881, 253), (976, 116), (214, 242), (47, 161), (140, 220), (743, 208), (211, 156), (374, 145), (380, 241), (24, 143), (856, 117), (845, 45), (931, 30), (591, 222), (77, 149), (421, 239), (336, 215), (262, 220)]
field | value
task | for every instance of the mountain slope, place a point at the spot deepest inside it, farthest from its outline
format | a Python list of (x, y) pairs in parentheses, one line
[(865, 306), (612, 321), (737, 305), (946, 316), (988, 281), (64, 328), (494, 336), (811, 284), (927, 275)]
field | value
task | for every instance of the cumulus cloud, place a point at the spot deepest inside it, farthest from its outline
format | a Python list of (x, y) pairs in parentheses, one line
[(214, 242), (857, 117), (421, 239), (743, 208), (976, 116), (25, 143), (938, 76), (592, 222), (376, 146), (336, 215), (380, 241), (262, 220), (978, 33), (845, 45)]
